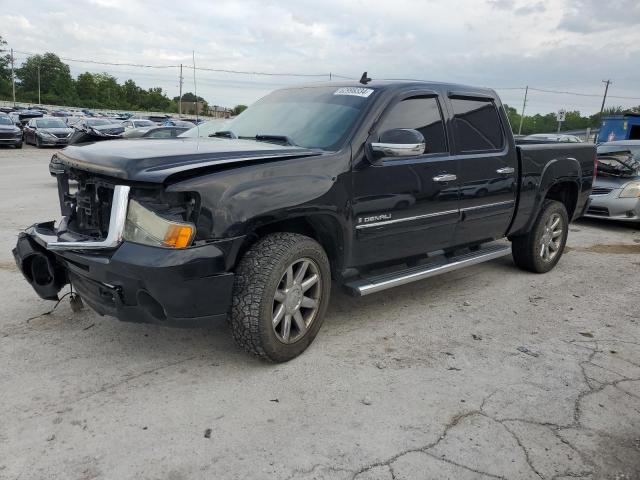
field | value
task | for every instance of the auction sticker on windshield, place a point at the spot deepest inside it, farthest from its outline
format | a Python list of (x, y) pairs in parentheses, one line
[(354, 91)]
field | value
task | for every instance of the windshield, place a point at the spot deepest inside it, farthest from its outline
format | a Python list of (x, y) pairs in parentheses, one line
[(50, 123), (319, 117), (205, 129), (619, 160), (5, 121), (94, 122), (609, 149)]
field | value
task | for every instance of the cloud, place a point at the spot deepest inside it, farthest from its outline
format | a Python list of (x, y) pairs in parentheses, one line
[(491, 43), (589, 16), (538, 7), (502, 4)]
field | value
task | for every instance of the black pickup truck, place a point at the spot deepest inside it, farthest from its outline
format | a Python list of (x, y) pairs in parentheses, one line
[(368, 186)]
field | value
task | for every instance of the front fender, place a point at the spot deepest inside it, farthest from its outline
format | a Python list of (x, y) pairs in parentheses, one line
[(235, 202)]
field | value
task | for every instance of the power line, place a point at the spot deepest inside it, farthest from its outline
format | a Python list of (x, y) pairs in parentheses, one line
[(207, 69), (310, 75)]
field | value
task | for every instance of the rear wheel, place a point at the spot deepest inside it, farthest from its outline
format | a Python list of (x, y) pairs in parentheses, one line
[(280, 296), (541, 248)]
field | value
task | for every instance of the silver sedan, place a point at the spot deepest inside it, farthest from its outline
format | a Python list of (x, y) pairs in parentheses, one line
[(616, 191)]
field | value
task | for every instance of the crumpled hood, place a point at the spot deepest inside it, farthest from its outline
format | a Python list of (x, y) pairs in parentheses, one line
[(149, 160)]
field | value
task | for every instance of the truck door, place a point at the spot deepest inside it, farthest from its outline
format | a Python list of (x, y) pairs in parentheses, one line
[(409, 205), (487, 169)]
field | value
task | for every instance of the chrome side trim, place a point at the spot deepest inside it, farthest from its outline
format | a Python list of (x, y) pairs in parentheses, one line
[(508, 202), (406, 219), (445, 177), (383, 282), (116, 226)]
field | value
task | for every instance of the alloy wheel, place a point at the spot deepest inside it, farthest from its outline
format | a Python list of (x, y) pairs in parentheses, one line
[(296, 300), (551, 238)]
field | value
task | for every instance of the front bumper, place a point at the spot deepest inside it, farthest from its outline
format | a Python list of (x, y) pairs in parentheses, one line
[(45, 140), (11, 141), (133, 282), (612, 207)]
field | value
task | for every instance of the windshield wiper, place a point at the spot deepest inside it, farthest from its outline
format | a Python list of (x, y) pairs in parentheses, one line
[(223, 133), (275, 138)]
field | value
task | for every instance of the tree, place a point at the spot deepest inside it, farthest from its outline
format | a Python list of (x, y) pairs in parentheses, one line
[(5, 70), (87, 89), (238, 109), (189, 97), (132, 93), (55, 79)]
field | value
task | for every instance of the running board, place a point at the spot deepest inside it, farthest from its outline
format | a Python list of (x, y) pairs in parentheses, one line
[(365, 286)]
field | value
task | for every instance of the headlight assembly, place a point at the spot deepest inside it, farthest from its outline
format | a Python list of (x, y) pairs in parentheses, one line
[(146, 227), (631, 190)]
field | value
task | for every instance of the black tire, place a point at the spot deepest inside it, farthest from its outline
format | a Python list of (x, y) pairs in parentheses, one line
[(257, 277), (527, 250), (18, 145)]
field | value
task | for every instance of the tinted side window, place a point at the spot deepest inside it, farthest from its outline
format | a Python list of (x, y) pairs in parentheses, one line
[(160, 134), (477, 125), (422, 114)]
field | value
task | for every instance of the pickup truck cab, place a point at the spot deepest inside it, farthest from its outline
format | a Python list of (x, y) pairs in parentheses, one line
[(369, 186)]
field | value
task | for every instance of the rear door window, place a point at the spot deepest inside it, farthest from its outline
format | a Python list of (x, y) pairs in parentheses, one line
[(421, 114), (477, 125)]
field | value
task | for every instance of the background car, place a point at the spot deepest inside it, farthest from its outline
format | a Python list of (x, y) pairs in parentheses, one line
[(616, 191), (154, 132), (137, 123), (205, 129), (10, 134), (177, 123), (46, 131), (21, 117)]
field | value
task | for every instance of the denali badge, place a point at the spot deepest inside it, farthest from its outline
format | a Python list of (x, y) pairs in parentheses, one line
[(374, 218)]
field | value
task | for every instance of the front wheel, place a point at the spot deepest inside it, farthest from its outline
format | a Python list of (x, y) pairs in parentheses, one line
[(38, 142), (541, 248), (280, 296), (18, 145)]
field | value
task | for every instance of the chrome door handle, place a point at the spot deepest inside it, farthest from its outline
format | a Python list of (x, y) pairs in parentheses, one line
[(505, 170), (445, 177)]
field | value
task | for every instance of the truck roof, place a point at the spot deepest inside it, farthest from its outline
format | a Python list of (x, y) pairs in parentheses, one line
[(399, 84)]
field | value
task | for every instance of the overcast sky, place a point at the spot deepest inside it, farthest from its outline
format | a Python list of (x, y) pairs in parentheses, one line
[(553, 44)]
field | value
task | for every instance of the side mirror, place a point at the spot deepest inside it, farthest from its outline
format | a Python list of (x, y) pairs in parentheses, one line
[(398, 142)]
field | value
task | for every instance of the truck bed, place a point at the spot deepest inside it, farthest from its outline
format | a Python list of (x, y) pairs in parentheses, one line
[(541, 166)]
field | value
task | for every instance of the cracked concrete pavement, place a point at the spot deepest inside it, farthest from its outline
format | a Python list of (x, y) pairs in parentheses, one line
[(426, 381)]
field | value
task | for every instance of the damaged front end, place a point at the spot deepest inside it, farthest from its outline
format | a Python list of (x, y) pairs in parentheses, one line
[(88, 134), (40, 268), (129, 251)]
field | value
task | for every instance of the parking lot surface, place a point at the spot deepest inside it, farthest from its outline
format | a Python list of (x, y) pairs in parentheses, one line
[(488, 372)]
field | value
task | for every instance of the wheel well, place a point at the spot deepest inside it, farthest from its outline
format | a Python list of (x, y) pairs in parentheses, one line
[(324, 229), (566, 193)]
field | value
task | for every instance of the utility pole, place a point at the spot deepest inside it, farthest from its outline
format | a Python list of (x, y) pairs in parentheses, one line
[(13, 79), (180, 99), (39, 103), (524, 104), (604, 99)]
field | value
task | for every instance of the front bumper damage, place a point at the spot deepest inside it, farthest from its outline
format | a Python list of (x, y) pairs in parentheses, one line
[(134, 283), (126, 280)]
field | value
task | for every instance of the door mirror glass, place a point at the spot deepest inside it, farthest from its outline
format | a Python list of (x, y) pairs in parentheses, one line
[(398, 142)]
